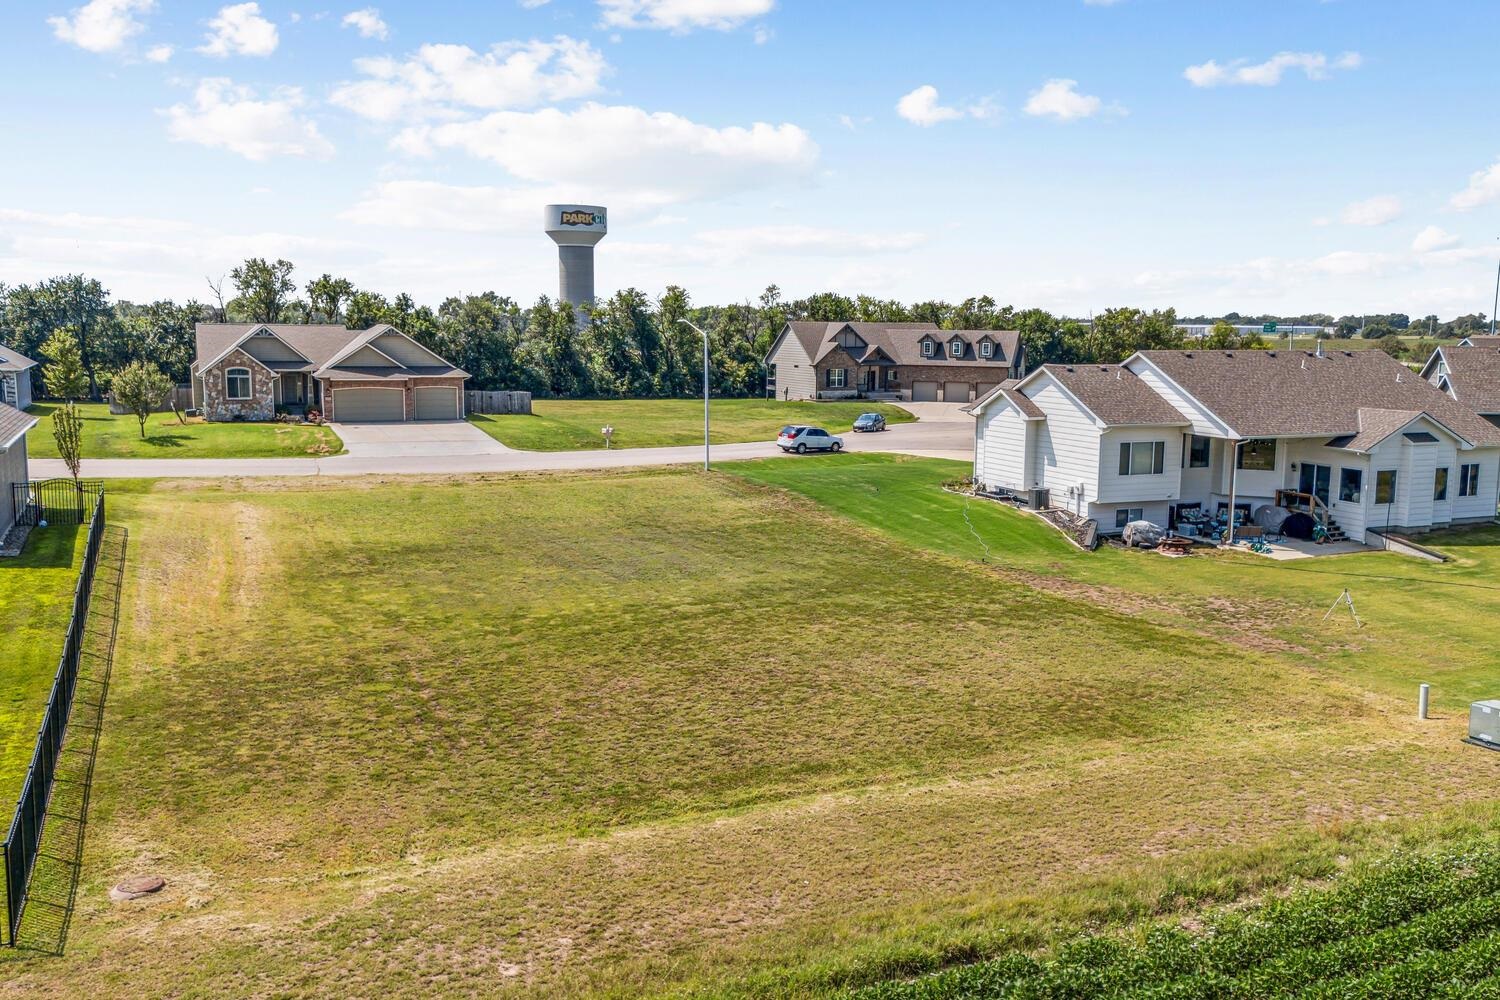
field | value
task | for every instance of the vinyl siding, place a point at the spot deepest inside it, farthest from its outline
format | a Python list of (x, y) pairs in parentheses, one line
[(1352, 516), (406, 351), (12, 470), (270, 349), (1204, 422), (1001, 455), (1154, 511), (795, 377), (1481, 507), (1137, 489), (1066, 456), (365, 357)]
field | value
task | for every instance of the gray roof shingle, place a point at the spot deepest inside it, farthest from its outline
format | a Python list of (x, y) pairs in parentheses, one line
[(1116, 395), (902, 342), (1298, 393), (13, 424), (14, 361), (1474, 375), (318, 342)]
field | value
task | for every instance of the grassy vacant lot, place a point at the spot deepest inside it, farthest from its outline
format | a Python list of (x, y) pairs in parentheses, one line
[(774, 731), (109, 436), (36, 597), (572, 424)]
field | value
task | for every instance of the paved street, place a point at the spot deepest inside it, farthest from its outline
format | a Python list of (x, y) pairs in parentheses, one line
[(438, 448)]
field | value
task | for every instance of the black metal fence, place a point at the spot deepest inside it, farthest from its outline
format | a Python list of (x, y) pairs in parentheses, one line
[(18, 851), (56, 501)]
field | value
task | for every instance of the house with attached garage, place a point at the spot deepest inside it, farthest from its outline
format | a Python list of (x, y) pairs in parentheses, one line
[(912, 361), (1354, 438), (252, 371), (1471, 375), (13, 427), (15, 378)]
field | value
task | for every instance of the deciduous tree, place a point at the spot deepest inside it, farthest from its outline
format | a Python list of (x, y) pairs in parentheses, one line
[(140, 387)]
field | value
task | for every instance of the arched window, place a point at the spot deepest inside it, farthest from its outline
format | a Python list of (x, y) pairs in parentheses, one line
[(237, 383)]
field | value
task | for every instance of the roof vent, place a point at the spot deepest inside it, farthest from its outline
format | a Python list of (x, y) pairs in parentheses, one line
[(1187, 354), (1270, 354), (1067, 368), (1398, 378), (1228, 354), (1304, 364)]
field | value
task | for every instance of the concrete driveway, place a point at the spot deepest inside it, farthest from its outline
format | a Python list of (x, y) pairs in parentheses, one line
[(416, 439)]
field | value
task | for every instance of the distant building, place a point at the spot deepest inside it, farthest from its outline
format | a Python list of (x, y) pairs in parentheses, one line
[(1197, 331), (915, 361)]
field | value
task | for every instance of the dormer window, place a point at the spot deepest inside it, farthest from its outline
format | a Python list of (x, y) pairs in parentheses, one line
[(956, 348), (927, 348), (986, 349)]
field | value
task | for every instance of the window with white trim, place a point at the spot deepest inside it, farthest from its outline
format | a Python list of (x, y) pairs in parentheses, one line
[(836, 377), (956, 348), (1142, 458), (237, 383), (986, 349), (927, 348), (1440, 483), (1124, 515), (1257, 455), (1385, 487), (1468, 480)]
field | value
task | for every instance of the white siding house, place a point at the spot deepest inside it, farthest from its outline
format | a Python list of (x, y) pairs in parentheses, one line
[(1351, 438)]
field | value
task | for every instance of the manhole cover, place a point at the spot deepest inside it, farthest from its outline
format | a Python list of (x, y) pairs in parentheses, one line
[(137, 886)]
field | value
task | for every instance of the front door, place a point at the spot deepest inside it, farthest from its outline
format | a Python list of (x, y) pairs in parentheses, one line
[(872, 379), (291, 390), (1315, 480)]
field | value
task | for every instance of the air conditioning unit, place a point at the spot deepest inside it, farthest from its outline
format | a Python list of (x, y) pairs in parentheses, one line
[(1484, 724), (1039, 499)]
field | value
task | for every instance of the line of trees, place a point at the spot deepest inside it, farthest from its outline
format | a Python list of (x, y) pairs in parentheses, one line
[(627, 345)]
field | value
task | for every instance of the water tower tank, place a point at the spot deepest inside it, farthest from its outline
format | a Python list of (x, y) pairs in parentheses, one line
[(576, 229)]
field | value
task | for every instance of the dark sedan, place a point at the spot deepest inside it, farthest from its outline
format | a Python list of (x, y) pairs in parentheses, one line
[(870, 422)]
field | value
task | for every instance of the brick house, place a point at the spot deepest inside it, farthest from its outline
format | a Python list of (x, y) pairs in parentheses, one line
[(914, 361), (252, 371)]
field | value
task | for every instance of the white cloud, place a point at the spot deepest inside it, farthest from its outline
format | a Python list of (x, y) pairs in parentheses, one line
[(437, 79), (1060, 99), (1314, 65), (159, 53), (534, 4), (1433, 238), (626, 152), (921, 107), (430, 205), (102, 25), (1376, 211), (1353, 262), (238, 29), (682, 15), (368, 23), (1484, 187), (224, 115), (802, 240)]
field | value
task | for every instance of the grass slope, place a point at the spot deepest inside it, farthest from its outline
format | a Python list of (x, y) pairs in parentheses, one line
[(36, 598), (574, 424), (632, 733), (106, 435)]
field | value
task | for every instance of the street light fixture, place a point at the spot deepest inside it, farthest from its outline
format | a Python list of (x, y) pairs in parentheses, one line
[(693, 326)]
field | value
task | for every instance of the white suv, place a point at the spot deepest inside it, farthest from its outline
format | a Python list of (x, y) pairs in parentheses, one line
[(800, 439)]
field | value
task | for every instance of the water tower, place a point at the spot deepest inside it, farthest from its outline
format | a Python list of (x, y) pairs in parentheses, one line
[(576, 229)]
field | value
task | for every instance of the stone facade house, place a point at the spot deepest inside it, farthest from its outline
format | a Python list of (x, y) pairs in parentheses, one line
[(913, 361), (252, 371), (15, 378)]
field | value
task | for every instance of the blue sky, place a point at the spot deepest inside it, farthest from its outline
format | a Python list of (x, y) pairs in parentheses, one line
[(1279, 155)]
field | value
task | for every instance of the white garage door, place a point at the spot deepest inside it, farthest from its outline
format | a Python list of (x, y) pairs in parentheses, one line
[(955, 392), (924, 392), (368, 406), (436, 402)]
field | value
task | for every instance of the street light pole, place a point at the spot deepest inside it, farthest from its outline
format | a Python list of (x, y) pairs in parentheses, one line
[(1497, 298), (693, 326)]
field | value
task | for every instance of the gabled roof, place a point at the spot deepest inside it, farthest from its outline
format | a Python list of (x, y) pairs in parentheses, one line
[(1113, 393), (1480, 342), (13, 425), (322, 344), (1302, 394), (14, 361), (901, 343), (1473, 376)]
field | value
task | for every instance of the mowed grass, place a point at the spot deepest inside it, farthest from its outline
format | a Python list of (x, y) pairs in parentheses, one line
[(645, 732), (36, 599), (106, 435), (574, 424)]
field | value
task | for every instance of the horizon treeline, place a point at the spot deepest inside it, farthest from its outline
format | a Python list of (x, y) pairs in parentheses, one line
[(629, 344)]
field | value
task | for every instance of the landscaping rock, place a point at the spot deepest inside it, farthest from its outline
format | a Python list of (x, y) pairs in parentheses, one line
[(137, 886)]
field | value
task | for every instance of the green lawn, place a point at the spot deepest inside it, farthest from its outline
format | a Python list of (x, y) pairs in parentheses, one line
[(109, 436), (776, 730), (36, 598), (572, 424)]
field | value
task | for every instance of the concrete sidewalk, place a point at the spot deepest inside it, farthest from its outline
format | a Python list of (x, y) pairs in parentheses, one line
[(941, 438)]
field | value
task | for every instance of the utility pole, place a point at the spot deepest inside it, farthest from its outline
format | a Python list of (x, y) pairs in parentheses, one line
[(1496, 307)]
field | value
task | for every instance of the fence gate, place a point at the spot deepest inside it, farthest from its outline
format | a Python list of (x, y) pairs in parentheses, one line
[(56, 501)]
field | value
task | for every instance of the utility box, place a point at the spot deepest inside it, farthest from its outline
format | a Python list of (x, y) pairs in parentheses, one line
[(1484, 723), (1039, 499)]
